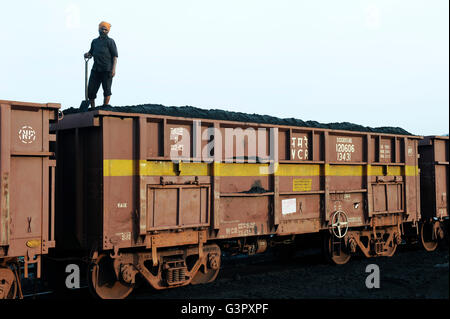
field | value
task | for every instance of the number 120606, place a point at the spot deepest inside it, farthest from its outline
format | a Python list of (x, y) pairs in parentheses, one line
[(344, 151)]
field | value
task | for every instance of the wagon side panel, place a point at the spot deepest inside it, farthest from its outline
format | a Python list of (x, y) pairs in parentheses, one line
[(120, 192), (441, 171), (27, 169), (434, 174)]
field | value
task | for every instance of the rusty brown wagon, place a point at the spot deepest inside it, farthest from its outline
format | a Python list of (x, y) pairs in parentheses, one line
[(159, 195), (27, 169), (434, 175)]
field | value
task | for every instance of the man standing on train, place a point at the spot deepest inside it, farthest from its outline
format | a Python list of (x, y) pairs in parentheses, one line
[(104, 51)]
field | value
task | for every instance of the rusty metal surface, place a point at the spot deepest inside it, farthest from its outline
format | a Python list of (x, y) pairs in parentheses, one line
[(155, 184), (434, 174), (27, 174), (8, 285), (167, 187), (233, 191)]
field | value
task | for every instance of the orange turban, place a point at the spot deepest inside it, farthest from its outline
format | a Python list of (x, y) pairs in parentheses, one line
[(105, 24)]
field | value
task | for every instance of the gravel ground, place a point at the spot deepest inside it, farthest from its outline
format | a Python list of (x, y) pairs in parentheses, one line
[(303, 285), (411, 273)]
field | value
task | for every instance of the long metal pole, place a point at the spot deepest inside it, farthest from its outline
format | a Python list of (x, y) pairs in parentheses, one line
[(86, 79)]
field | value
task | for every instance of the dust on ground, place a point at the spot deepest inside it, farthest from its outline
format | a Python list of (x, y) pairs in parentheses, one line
[(410, 273)]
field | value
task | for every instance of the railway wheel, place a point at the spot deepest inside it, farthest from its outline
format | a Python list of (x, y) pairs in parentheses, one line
[(208, 273), (428, 235), (335, 250), (8, 283), (104, 282)]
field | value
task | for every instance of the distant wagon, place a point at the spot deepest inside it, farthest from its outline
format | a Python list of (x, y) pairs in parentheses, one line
[(434, 175), (27, 172)]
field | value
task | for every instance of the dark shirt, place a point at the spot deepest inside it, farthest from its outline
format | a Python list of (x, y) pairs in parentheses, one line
[(103, 50)]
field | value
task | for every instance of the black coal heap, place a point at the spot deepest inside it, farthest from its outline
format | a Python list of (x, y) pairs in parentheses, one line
[(214, 114)]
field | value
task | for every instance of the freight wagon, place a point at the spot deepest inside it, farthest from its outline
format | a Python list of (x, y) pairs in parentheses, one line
[(27, 172), (160, 197), (434, 175)]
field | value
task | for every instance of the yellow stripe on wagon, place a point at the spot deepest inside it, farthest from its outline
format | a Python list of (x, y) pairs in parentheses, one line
[(344, 170), (411, 170), (298, 170), (167, 168), (117, 167)]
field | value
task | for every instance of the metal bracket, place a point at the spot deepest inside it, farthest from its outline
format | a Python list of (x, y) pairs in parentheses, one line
[(163, 182), (154, 252), (29, 259), (374, 227), (115, 253), (200, 244)]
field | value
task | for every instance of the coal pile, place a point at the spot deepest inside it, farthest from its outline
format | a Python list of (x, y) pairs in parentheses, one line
[(215, 114)]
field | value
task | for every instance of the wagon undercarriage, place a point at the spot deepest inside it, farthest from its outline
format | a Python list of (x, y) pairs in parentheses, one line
[(114, 276)]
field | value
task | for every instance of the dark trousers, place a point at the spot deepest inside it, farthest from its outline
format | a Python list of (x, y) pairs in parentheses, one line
[(97, 78)]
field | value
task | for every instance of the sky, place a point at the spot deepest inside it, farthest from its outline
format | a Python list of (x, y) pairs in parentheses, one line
[(373, 63)]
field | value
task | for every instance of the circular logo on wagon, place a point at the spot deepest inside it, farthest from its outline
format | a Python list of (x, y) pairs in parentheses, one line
[(27, 134)]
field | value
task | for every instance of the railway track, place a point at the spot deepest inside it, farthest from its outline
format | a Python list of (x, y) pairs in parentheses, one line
[(411, 273), (232, 268)]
